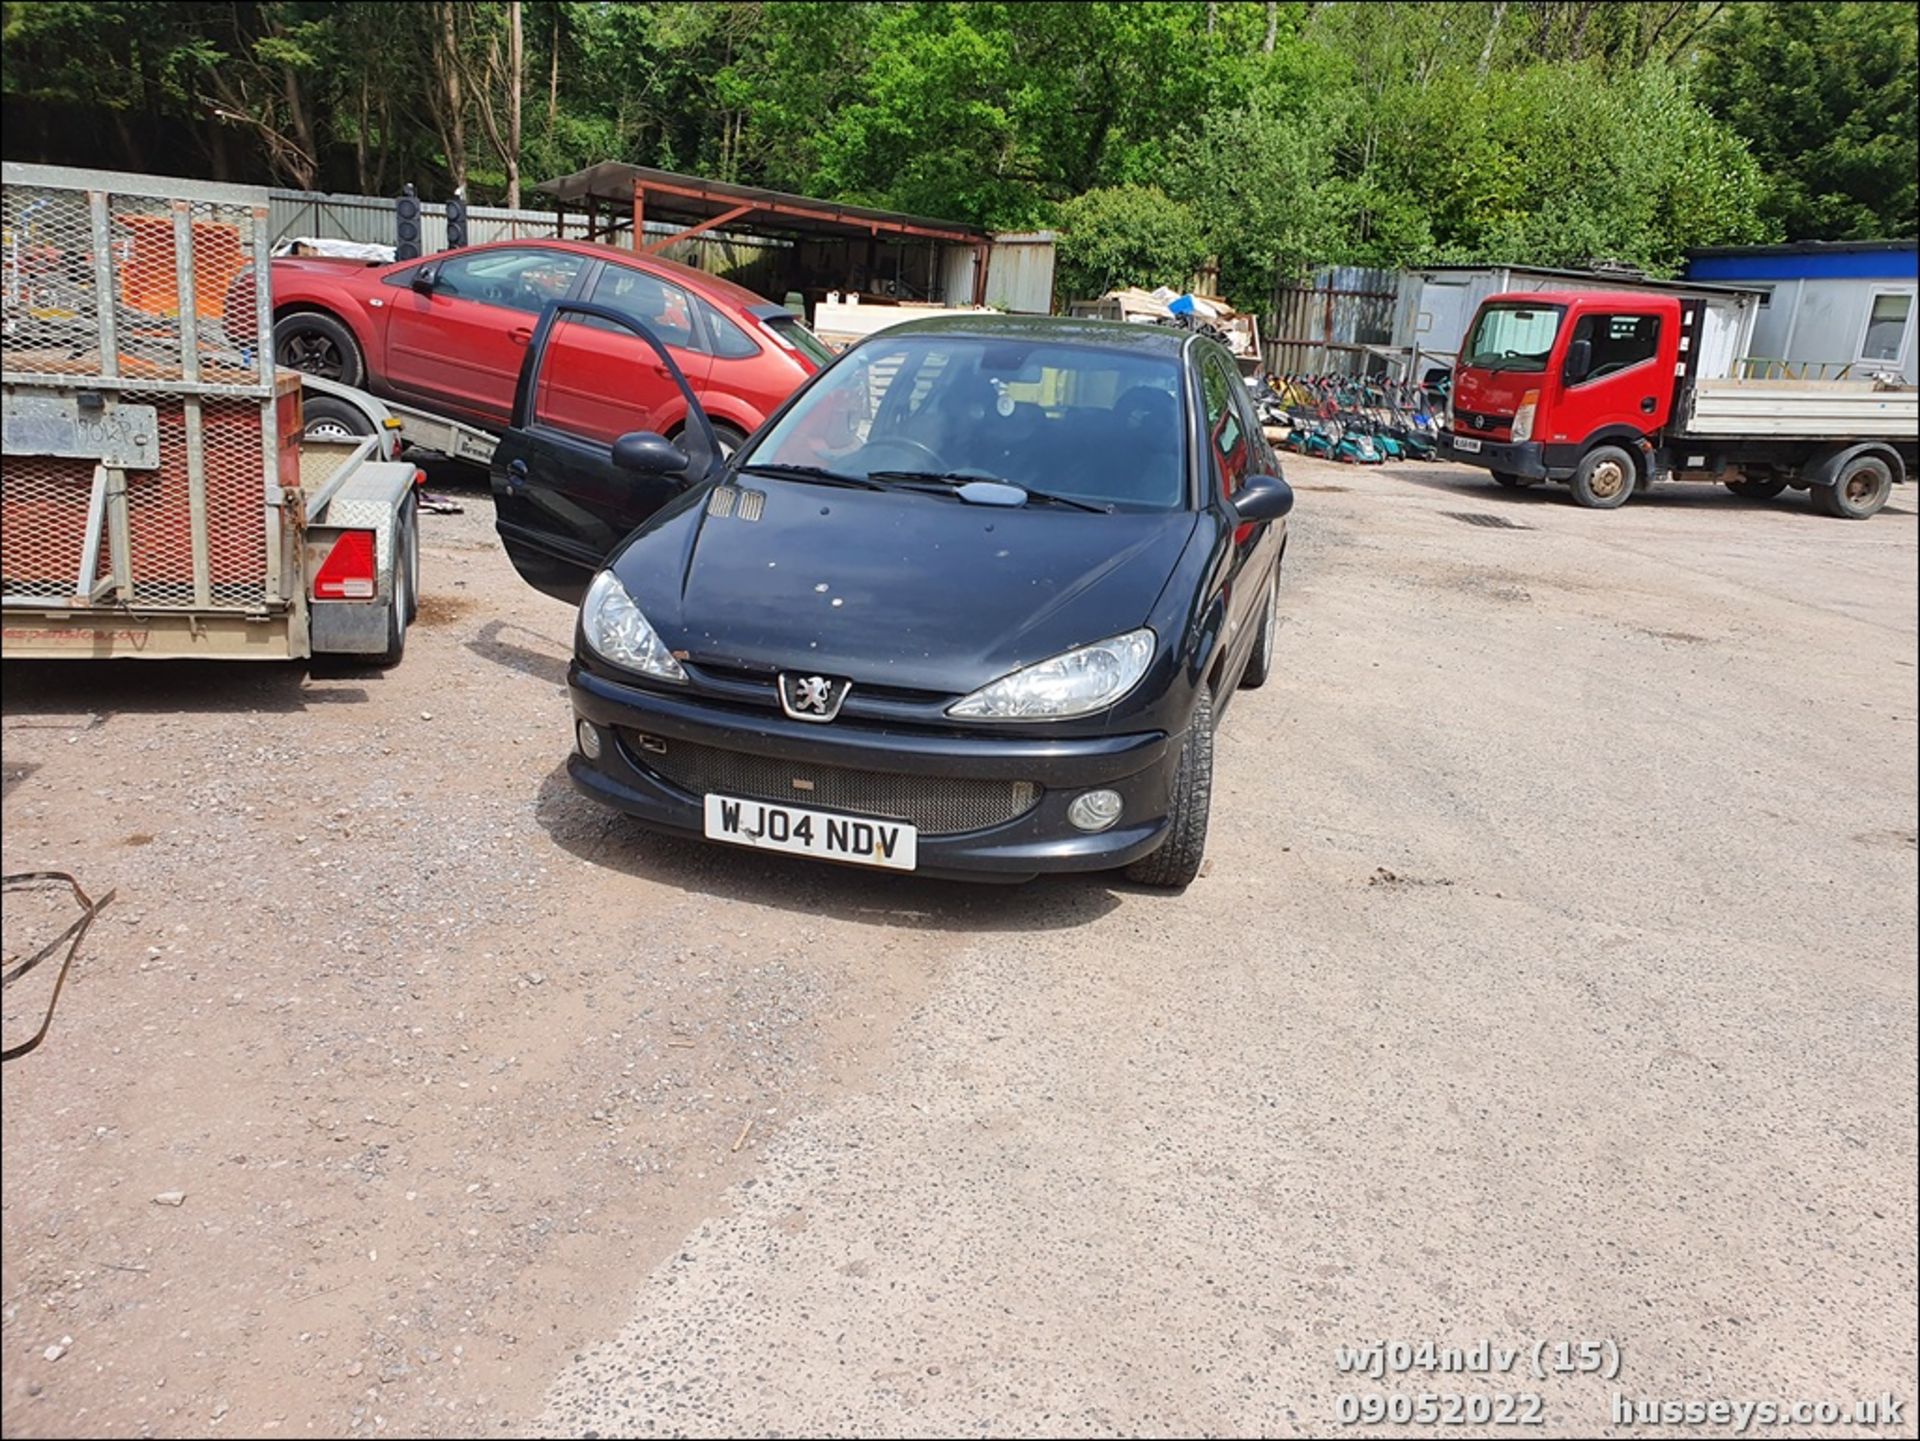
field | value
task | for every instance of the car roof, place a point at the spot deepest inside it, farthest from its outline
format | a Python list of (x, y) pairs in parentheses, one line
[(1054, 329), (712, 286)]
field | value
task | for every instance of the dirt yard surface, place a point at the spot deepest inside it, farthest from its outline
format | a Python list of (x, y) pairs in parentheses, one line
[(1553, 979)]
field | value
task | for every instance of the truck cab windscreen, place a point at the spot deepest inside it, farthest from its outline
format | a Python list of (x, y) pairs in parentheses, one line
[(1514, 337)]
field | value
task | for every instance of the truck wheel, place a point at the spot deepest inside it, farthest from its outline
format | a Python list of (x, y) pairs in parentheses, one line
[(1858, 491), (1177, 861), (324, 417), (1604, 479), (1756, 489), (1510, 481), (315, 342)]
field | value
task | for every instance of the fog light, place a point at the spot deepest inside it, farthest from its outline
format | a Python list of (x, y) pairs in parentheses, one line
[(1095, 811), (589, 740)]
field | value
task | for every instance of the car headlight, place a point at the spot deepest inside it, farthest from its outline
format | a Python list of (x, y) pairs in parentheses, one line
[(614, 628), (1088, 678)]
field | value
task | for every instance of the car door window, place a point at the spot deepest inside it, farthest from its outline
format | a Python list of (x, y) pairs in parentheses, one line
[(1226, 433), (664, 308), (1618, 341), (511, 277)]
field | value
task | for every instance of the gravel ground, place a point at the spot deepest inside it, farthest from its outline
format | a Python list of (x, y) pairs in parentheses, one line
[(1553, 978)]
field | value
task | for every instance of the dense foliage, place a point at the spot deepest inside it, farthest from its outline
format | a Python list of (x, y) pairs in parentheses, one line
[(1278, 134)]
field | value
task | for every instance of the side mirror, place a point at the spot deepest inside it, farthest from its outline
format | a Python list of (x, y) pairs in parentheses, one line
[(1263, 497), (1579, 362), (647, 453), (424, 279)]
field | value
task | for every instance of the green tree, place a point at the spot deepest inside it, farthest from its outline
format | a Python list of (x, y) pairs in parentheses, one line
[(1824, 94), (1126, 235)]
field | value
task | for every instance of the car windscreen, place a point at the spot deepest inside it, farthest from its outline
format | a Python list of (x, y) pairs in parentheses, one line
[(1514, 337), (1090, 424)]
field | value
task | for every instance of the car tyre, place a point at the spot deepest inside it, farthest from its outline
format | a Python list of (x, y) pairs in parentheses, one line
[(1177, 862), (1857, 492), (1605, 478), (1260, 663), (316, 343), (323, 417)]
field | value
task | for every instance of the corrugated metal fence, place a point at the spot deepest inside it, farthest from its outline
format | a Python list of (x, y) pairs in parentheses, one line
[(750, 261), (1333, 323)]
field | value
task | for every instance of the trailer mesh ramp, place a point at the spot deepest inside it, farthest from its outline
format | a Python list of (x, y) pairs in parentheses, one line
[(143, 424)]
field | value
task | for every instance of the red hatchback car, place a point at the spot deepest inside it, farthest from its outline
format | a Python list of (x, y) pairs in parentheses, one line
[(447, 333)]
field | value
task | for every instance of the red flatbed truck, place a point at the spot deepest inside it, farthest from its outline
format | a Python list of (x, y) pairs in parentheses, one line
[(1598, 390)]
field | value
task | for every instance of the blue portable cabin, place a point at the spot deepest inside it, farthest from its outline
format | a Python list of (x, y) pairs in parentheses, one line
[(1827, 306)]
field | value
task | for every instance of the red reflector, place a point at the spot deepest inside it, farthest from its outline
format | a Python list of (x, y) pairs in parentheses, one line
[(348, 572), (419, 479)]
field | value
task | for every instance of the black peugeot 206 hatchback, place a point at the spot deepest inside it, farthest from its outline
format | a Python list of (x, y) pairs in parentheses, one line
[(970, 604)]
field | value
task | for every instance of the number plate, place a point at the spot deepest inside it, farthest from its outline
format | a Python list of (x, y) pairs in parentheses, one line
[(1466, 444), (892, 844)]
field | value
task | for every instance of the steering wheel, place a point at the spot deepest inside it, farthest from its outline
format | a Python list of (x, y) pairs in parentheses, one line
[(926, 456)]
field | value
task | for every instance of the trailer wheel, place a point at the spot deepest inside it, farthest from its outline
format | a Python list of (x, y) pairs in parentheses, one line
[(325, 417), (403, 607), (1756, 489), (410, 514), (315, 342), (1858, 491), (1605, 478)]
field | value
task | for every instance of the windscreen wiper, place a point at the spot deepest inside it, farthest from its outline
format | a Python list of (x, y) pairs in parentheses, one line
[(816, 473), (955, 479)]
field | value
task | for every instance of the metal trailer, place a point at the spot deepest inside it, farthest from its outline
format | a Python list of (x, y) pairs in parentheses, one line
[(158, 498)]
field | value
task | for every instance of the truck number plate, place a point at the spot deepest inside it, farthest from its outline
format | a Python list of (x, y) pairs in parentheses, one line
[(1466, 445)]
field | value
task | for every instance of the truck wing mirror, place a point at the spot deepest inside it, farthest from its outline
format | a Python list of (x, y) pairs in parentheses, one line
[(1579, 362)]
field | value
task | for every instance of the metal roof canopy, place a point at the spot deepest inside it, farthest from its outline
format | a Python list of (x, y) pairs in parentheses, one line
[(704, 205)]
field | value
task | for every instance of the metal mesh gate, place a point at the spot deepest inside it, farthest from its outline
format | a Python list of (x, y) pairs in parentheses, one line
[(142, 430)]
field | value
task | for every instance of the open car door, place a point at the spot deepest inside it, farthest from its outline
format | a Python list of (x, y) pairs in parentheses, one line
[(562, 502)]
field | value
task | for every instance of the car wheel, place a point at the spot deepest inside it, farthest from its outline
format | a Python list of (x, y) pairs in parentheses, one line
[(1177, 861), (731, 437), (1756, 489), (1260, 663), (322, 417), (318, 344), (1605, 478), (1857, 492)]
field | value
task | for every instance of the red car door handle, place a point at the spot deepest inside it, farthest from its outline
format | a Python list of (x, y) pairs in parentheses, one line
[(520, 335)]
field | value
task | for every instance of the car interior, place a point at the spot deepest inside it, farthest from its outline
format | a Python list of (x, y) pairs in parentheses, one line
[(1074, 429)]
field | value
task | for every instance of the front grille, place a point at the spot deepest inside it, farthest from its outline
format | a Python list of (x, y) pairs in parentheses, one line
[(1485, 422), (934, 805)]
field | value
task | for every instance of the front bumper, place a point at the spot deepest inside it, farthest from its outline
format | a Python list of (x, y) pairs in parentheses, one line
[(1526, 459), (1139, 767)]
